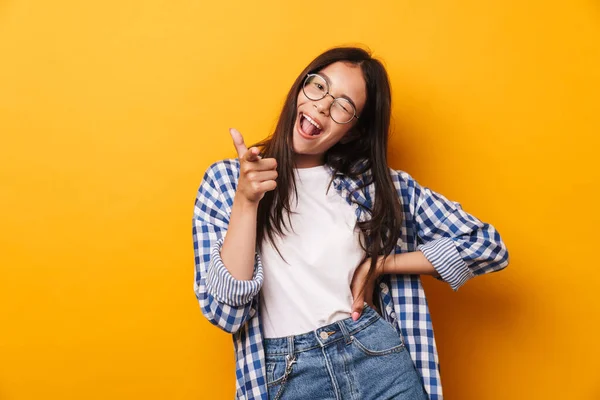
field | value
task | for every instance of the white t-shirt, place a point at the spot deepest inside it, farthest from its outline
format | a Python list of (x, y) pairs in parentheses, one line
[(322, 250)]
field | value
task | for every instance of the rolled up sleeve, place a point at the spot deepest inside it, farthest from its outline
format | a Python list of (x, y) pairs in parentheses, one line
[(458, 245), (225, 301), (224, 287)]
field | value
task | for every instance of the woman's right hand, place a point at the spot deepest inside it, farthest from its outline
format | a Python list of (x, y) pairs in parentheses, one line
[(257, 175)]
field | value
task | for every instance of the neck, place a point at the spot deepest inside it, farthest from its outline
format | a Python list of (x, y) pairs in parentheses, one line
[(309, 160)]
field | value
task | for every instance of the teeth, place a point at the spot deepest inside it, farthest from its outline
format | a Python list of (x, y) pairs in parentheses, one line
[(312, 121)]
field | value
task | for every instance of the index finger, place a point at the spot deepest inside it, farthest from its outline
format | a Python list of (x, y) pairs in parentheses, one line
[(252, 154)]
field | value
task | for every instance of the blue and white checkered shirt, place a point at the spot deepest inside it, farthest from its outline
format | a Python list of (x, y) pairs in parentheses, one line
[(457, 244)]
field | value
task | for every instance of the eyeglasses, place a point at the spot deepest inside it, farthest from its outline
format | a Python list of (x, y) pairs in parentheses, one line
[(340, 110)]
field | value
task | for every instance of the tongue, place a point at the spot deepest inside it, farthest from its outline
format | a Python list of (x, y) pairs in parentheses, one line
[(309, 128)]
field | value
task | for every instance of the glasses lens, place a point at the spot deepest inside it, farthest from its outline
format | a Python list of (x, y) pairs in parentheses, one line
[(315, 87), (342, 111)]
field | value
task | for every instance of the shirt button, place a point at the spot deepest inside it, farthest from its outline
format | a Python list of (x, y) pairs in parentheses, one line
[(323, 335), (384, 288)]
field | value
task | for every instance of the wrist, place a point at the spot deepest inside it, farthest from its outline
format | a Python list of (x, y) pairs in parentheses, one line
[(381, 265), (242, 203), (389, 265)]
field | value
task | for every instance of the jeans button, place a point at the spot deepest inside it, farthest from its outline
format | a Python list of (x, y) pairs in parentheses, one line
[(323, 335)]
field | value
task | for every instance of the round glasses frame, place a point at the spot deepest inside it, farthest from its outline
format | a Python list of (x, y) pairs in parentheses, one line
[(335, 99)]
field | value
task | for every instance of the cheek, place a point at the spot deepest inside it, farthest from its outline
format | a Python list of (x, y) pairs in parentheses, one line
[(301, 99), (337, 133), (341, 130)]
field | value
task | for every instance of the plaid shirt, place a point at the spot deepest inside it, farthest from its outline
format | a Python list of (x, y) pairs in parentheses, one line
[(457, 244)]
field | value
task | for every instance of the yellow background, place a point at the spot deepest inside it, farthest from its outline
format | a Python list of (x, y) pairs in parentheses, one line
[(111, 111)]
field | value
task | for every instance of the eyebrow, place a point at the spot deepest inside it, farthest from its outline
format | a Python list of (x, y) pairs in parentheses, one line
[(342, 95)]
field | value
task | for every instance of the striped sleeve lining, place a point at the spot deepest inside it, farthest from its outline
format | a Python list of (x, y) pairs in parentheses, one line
[(446, 259), (224, 287)]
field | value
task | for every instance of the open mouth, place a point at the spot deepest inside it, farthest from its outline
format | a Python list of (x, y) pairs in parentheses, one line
[(309, 126)]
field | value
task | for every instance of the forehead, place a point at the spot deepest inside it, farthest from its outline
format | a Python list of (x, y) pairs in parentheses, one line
[(346, 79)]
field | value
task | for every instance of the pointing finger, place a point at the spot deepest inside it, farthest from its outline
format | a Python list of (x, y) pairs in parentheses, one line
[(252, 154)]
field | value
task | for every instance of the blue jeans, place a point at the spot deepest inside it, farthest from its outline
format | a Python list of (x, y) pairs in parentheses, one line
[(345, 360)]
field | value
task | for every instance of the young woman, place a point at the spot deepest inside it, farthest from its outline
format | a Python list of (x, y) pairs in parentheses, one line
[(309, 249)]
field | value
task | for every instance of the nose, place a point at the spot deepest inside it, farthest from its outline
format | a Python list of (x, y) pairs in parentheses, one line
[(323, 105)]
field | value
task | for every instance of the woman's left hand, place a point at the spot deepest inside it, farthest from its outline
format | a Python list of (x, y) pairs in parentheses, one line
[(358, 281)]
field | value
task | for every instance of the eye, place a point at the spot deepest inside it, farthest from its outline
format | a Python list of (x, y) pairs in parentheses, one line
[(344, 106)]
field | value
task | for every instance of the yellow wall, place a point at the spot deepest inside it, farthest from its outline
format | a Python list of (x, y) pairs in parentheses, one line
[(111, 111)]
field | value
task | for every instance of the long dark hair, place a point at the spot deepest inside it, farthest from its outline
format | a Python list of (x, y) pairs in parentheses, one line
[(364, 148)]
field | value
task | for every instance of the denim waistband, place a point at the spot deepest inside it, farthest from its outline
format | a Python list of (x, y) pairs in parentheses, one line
[(320, 337)]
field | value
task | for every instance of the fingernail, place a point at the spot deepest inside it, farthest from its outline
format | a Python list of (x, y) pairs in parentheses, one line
[(355, 315)]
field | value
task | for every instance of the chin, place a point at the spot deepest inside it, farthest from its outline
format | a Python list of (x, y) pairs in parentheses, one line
[(297, 148)]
